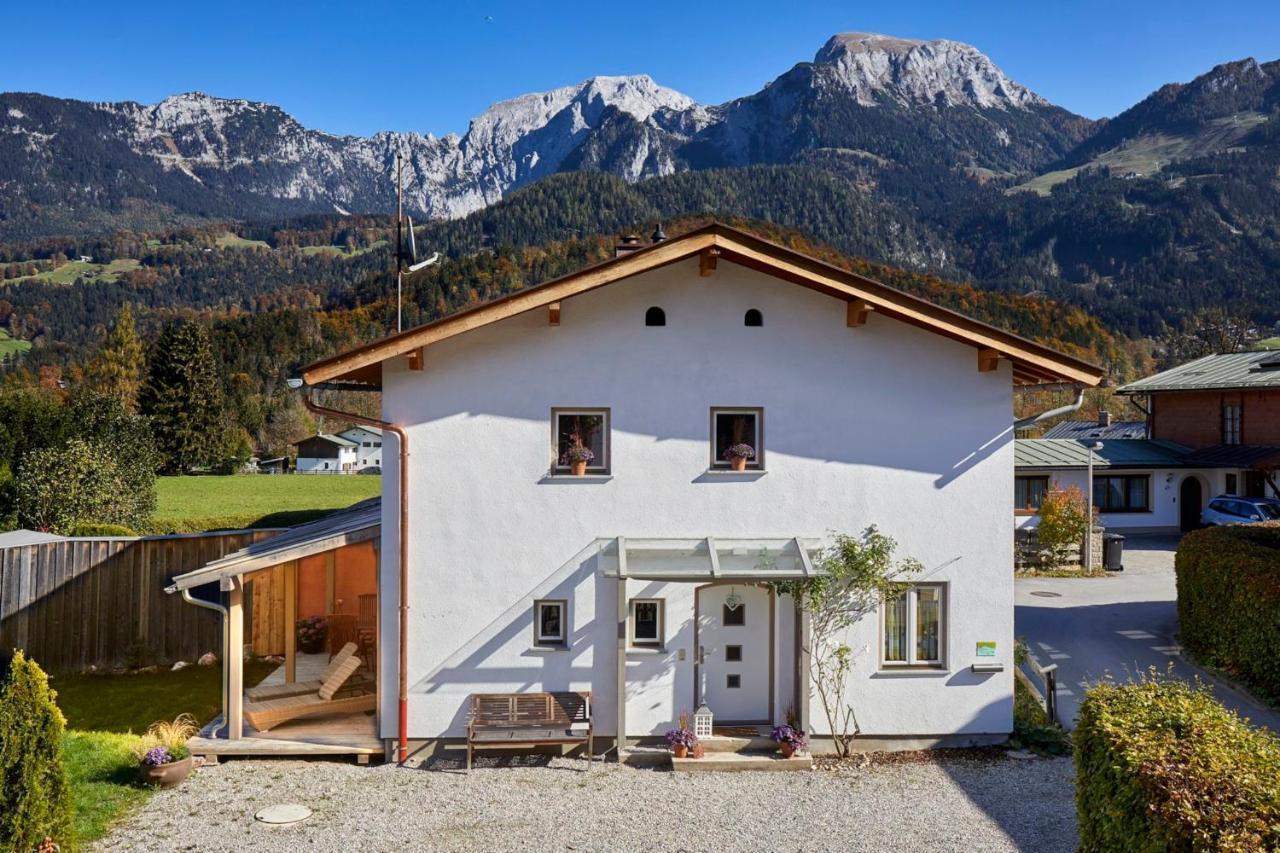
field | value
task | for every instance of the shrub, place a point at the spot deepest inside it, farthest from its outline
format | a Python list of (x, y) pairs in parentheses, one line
[(34, 794), (1064, 520), (1229, 601), (1162, 766), (81, 481), (93, 528)]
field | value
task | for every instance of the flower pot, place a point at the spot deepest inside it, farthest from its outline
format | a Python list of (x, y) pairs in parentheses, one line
[(699, 750), (578, 468), (786, 749), (165, 775), (311, 647), (680, 751), (738, 463)]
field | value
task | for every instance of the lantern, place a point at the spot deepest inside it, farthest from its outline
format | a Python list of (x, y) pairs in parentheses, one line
[(702, 721)]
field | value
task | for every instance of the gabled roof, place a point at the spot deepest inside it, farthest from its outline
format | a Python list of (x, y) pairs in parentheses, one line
[(1095, 430), (1236, 456), (357, 523), (332, 439), (373, 429), (1058, 453), (1228, 370), (1033, 363)]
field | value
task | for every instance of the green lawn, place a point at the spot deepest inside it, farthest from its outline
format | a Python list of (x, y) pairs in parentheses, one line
[(10, 345), (104, 782), (235, 241), (72, 270), (188, 504), (1269, 343)]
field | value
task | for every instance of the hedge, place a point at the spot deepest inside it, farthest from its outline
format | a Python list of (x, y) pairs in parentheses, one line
[(34, 794), (1229, 601), (1162, 766)]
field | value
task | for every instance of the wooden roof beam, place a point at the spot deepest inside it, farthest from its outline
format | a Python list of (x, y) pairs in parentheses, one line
[(707, 261), (988, 359), (553, 314), (417, 359), (856, 313)]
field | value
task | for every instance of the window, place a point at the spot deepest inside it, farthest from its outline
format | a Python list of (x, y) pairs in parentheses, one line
[(733, 654), (377, 444), (366, 444), (913, 627), (753, 318), (734, 427), (1029, 492), (549, 627), (1233, 484), (1122, 493), (646, 622), (655, 316), (581, 428), (1231, 423), (733, 681), (734, 617)]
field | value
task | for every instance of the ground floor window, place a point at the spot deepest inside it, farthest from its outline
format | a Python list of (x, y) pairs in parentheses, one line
[(645, 622), (1122, 493), (549, 623), (914, 628), (1233, 484), (1029, 492)]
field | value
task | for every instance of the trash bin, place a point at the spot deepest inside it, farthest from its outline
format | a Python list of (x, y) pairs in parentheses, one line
[(1113, 552)]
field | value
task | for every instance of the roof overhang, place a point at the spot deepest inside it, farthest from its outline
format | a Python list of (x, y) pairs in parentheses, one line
[(1033, 363), (712, 559)]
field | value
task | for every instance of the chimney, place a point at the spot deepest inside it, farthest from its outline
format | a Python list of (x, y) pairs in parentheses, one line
[(628, 244), (658, 234), (1104, 418)]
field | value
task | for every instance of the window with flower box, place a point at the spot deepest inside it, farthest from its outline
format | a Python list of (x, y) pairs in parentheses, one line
[(578, 434), (734, 431)]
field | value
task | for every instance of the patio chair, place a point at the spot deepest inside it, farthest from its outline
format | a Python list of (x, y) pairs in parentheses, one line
[(298, 688), (270, 713)]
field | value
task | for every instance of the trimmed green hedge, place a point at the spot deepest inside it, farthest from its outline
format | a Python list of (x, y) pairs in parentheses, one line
[(1162, 766), (1229, 601)]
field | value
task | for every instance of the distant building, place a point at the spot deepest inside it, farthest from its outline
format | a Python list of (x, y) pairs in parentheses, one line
[(369, 443), (326, 454), (1102, 429)]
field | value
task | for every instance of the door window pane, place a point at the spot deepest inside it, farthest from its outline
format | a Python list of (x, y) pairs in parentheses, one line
[(734, 617), (895, 629)]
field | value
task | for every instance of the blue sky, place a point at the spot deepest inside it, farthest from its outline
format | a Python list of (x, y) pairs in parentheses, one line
[(360, 68)]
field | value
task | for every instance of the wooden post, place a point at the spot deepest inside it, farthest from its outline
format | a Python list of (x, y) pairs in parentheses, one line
[(622, 656), (330, 579), (291, 621), (803, 666), (235, 659)]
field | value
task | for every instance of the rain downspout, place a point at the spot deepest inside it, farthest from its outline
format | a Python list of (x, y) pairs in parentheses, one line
[(1074, 406), (403, 540), (226, 675)]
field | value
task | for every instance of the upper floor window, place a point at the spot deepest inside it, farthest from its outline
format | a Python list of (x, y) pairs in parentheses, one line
[(1029, 492), (580, 435), (655, 316), (1231, 423), (1122, 493), (753, 318), (737, 438), (549, 622), (915, 627)]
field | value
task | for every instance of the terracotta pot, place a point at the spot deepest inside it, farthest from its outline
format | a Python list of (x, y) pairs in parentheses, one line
[(699, 750), (786, 749), (738, 463), (166, 775), (578, 468), (680, 751)]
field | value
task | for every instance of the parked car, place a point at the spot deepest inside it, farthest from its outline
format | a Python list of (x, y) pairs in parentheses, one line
[(1229, 509)]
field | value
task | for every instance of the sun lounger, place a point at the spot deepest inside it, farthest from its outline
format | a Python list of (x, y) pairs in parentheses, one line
[(269, 713), (300, 688)]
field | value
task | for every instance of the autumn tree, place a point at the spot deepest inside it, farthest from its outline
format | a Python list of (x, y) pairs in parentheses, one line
[(183, 398), (117, 367)]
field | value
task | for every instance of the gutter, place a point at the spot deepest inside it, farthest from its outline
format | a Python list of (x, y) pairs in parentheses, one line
[(1052, 413), (403, 541), (226, 674)]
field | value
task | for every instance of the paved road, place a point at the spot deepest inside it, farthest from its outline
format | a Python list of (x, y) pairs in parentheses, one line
[(1119, 625)]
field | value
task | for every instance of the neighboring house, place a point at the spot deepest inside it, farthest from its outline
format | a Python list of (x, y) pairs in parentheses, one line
[(1101, 429), (369, 441), (645, 581), (326, 454)]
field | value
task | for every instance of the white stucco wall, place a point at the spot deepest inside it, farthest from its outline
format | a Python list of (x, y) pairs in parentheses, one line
[(1165, 501), (884, 424)]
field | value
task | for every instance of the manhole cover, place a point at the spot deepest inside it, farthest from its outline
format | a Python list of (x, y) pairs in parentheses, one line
[(286, 813), (1044, 593)]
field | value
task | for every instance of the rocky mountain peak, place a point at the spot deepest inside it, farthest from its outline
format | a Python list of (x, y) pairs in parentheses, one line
[(911, 71)]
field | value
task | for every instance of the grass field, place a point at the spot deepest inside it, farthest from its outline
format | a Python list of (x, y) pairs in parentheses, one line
[(1269, 343), (189, 504), (235, 241), (72, 270), (9, 346)]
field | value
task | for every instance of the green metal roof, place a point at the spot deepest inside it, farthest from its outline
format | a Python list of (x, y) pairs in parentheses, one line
[(1059, 453), (1231, 370)]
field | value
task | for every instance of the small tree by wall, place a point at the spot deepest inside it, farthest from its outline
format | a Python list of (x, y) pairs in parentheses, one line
[(1064, 520), (854, 576), (34, 793)]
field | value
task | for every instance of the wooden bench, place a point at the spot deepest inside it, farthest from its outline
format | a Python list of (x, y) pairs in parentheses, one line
[(518, 720)]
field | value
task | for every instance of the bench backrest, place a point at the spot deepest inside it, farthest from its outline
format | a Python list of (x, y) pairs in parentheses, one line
[(526, 709)]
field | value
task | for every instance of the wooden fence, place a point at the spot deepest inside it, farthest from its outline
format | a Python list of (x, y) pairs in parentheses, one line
[(80, 602)]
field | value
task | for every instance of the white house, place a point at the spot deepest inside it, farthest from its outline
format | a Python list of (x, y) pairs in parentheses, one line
[(644, 579), (368, 441), (327, 454)]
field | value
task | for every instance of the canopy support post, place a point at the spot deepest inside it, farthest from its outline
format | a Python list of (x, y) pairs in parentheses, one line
[(235, 659)]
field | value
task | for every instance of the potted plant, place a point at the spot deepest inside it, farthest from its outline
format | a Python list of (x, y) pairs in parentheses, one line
[(312, 632), (738, 455), (790, 740), (577, 457), (681, 740), (163, 757)]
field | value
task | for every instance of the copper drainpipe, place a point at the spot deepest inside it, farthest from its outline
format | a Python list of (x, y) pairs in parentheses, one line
[(402, 537)]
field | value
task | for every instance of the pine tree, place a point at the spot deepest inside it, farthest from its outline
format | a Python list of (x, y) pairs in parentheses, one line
[(183, 398), (117, 368)]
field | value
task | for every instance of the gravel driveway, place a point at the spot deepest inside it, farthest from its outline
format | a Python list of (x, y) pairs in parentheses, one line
[(947, 804)]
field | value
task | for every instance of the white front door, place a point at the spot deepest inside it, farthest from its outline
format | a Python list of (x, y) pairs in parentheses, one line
[(733, 653)]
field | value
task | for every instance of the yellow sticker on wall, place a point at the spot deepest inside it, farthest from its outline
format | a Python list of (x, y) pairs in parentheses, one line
[(986, 648)]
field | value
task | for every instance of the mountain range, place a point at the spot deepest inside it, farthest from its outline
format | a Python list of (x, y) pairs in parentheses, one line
[(944, 163)]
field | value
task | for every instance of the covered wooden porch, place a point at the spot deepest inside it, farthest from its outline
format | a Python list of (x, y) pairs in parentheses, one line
[(309, 599)]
